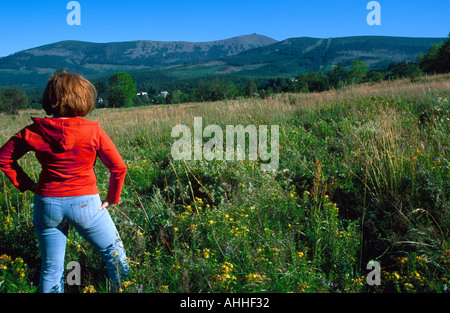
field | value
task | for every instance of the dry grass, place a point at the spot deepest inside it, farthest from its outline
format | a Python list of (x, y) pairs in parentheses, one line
[(359, 178)]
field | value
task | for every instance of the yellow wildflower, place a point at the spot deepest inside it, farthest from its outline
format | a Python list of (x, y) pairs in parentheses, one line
[(199, 200), (206, 253), (89, 289), (125, 284)]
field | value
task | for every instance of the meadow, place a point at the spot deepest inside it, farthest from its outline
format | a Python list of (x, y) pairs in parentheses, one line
[(363, 175)]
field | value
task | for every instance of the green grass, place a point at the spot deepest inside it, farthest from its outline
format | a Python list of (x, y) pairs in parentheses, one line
[(363, 176)]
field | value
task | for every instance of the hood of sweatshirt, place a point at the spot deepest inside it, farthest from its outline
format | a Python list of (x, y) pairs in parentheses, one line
[(63, 134)]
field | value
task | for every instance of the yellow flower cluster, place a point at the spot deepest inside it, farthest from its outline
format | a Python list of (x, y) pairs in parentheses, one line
[(125, 285), (226, 267), (274, 251), (419, 259), (206, 253), (89, 289), (300, 255), (7, 223), (239, 231), (17, 266), (254, 277), (411, 281), (359, 281), (225, 278), (199, 200)]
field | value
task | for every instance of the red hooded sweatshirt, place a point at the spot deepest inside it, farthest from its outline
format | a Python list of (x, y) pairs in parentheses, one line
[(67, 150)]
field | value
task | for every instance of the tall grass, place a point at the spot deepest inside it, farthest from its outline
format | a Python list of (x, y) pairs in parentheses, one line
[(363, 175)]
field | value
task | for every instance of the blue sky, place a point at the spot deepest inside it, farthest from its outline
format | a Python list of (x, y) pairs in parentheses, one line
[(29, 23)]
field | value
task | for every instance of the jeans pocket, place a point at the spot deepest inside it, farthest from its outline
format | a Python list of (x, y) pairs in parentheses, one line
[(46, 213), (83, 211)]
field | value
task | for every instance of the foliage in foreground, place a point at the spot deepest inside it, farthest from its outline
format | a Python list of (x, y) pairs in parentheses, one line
[(362, 177)]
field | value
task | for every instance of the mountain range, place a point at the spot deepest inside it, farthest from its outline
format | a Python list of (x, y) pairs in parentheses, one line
[(244, 56)]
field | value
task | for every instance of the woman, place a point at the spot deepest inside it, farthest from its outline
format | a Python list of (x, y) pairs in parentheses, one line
[(66, 146)]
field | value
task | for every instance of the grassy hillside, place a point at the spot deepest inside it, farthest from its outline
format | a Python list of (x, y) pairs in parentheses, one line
[(34, 66), (244, 56), (301, 55), (363, 175), (296, 56)]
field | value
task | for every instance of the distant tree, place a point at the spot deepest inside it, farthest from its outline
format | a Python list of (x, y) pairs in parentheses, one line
[(375, 76), (251, 89), (266, 92), (443, 63), (358, 71), (217, 89), (121, 90), (12, 100), (203, 92), (145, 99), (102, 92), (174, 97), (315, 82), (194, 95), (2, 102), (437, 59), (292, 85), (337, 76), (213, 90), (404, 70), (231, 91), (428, 62), (278, 84)]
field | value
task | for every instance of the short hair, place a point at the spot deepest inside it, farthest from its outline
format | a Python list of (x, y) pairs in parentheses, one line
[(68, 95)]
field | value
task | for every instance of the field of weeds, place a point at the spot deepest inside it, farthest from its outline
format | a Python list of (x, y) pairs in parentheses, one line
[(363, 175)]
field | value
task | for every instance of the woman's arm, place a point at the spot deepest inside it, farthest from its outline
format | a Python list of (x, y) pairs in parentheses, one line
[(12, 151), (109, 155)]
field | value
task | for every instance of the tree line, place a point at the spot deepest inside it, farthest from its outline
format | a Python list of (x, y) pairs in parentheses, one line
[(436, 60), (120, 90)]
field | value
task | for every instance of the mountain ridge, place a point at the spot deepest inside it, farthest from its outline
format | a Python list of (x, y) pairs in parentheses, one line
[(303, 54), (247, 55), (144, 48)]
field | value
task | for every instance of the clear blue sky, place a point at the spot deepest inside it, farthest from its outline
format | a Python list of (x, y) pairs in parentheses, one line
[(29, 23)]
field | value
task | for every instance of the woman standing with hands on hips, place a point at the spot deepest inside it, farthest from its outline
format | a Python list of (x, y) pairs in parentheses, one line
[(67, 145)]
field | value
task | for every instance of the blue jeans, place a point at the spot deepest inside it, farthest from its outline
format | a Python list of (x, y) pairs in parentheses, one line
[(51, 218)]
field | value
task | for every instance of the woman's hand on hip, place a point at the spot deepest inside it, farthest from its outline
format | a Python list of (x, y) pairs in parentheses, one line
[(105, 205)]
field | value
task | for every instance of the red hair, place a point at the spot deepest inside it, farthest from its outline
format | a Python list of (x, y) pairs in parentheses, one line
[(68, 95)]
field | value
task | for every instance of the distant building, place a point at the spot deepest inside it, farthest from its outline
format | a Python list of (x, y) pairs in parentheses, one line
[(164, 94), (143, 93)]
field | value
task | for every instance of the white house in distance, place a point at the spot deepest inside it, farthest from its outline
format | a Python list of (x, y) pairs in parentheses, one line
[(143, 93), (164, 94)]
